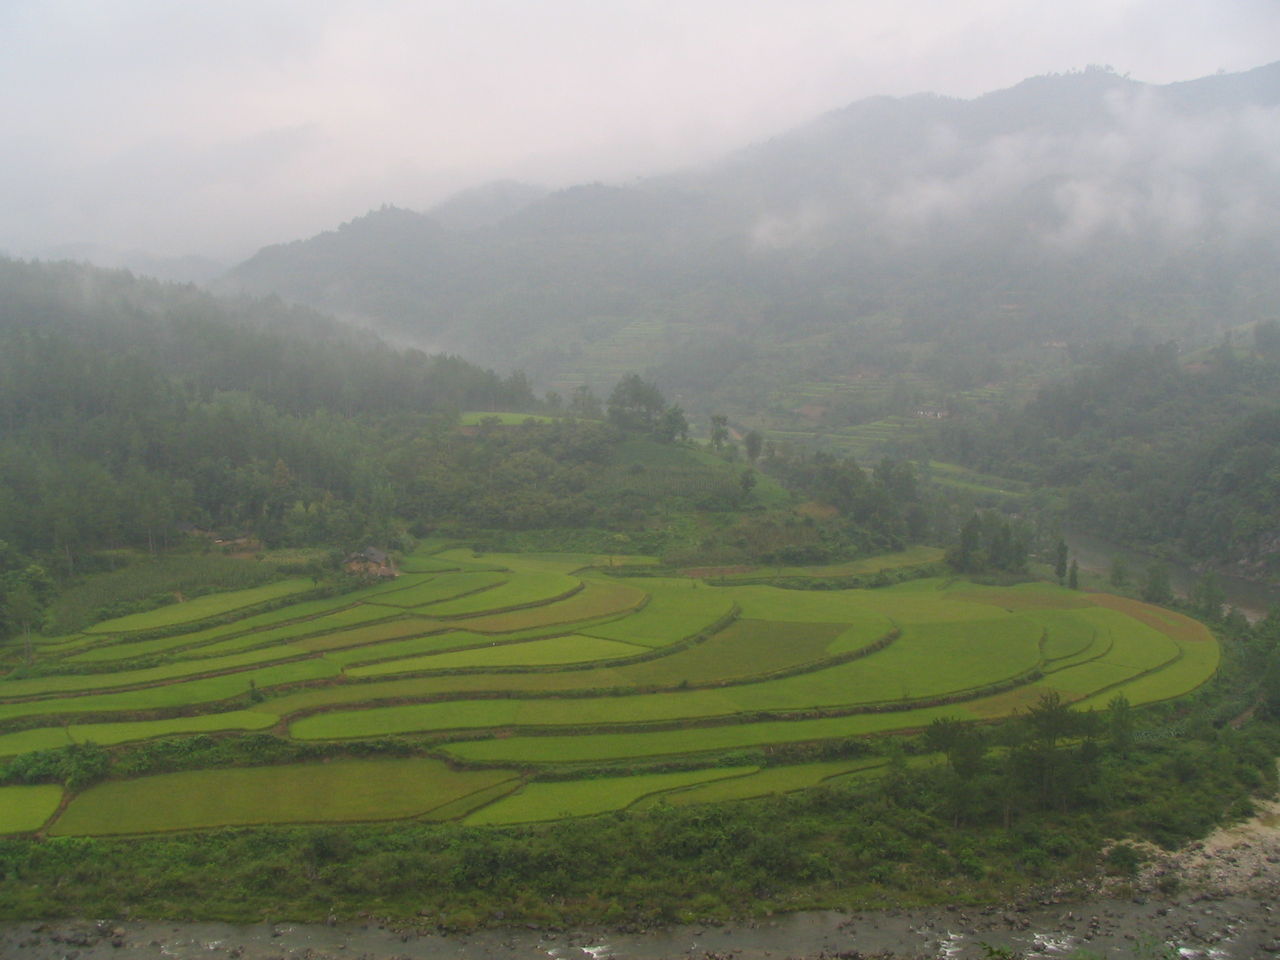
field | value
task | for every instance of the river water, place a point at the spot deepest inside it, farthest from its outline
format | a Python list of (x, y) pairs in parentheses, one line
[(1251, 598), (1221, 929)]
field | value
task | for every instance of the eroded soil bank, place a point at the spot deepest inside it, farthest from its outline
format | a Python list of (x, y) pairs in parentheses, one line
[(1226, 906)]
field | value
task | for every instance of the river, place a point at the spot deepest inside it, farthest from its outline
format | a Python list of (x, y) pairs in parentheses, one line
[(1251, 598), (1227, 928)]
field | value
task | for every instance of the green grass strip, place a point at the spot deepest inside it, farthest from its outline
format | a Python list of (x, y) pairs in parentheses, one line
[(26, 808), (555, 650), (42, 738), (185, 694), (403, 649), (73, 683), (620, 746), (107, 734), (594, 601), (930, 660), (526, 590), (306, 610), (770, 780), (677, 609), (562, 799), (200, 608), (446, 586), (358, 615)]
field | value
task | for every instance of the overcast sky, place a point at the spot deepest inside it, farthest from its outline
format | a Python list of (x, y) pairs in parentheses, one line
[(200, 127)]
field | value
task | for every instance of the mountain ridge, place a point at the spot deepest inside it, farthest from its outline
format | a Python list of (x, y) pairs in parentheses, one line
[(1089, 201)]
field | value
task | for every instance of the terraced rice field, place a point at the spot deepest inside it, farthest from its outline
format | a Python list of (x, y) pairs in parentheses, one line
[(495, 666), (343, 790), (25, 809)]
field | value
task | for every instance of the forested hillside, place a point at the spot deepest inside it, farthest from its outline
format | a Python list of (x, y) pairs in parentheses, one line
[(131, 407), (135, 410), (1151, 447)]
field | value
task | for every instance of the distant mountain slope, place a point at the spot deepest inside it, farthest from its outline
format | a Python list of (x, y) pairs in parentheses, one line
[(1066, 207)]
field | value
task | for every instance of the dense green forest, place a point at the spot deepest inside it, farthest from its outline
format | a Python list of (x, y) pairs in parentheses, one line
[(131, 408), (136, 413), (1150, 447)]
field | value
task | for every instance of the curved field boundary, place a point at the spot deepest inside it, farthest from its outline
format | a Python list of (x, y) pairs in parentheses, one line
[(528, 654), (1169, 622), (1101, 645), (39, 738), (369, 636), (348, 618), (1065, 636), (337, 791), (341, 606), (867, 566), (457, 809), (439, 589), (591, 748), (128, 731), (189, 695), (461, 608), (592, 600), (765, 782), (612, 678), (642, 654), (424, 645), (72, 685), (625, 712), (562, 799), (1196, 664), (671, 613), (200, 608), (558, 684)]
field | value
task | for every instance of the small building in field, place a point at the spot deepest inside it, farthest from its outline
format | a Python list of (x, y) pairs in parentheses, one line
[(371, 562)]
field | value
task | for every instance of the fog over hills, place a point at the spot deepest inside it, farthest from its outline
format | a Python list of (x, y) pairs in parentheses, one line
[(1066, 207)]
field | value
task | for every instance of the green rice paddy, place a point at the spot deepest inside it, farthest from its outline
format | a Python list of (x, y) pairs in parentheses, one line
[(201, 608), (342, 790), (24, 809), (518, 661), (577, 798)]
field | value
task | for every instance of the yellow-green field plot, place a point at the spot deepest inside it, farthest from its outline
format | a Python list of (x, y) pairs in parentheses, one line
[(591, 748), (911, 557), (201, 608), (930, 660), (341, 790), (592, 602), (676, 609), (106, 734), (24, 809), (761, 783), (445, 586), (185, 694), (525, 590), (525, 661), (579, 798), (532, 653)]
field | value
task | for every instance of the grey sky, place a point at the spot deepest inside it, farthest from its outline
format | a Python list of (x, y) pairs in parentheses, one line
[(217, 127)]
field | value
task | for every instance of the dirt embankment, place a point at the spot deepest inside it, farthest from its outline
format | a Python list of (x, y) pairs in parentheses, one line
[(1239, 860)]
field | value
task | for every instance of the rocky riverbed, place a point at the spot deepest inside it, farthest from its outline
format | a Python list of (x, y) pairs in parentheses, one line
[(1218, 898)]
